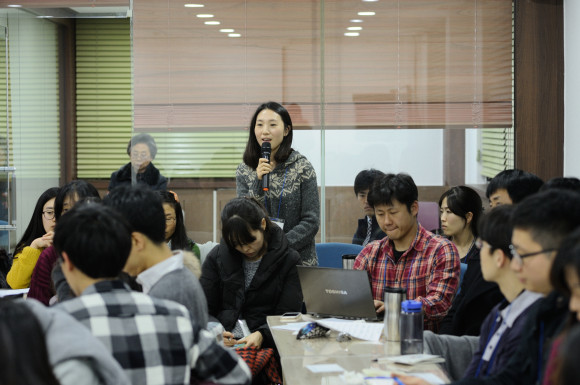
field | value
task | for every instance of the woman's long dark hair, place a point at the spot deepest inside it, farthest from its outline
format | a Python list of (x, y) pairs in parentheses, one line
[(35, 227), (240, 217), (23, 352), (253, 150), (80, 188), (179, 237), (462, 200)]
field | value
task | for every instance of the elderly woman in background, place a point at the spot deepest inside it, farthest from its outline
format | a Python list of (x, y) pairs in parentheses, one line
[(142, 150)]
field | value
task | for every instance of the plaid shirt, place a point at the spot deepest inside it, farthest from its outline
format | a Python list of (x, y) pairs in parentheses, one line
[(154, 340), (429, 270)]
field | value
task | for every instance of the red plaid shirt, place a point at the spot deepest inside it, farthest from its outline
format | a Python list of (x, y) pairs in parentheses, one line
[(429, 270)]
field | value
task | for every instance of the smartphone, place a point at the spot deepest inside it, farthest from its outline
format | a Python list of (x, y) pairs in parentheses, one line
[(290, 316)]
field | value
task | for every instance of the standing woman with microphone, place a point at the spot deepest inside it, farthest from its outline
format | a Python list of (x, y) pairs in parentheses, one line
[(281, 178)]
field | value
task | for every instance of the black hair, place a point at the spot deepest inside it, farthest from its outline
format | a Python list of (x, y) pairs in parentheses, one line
[(35, 227), (96, 239), (253, 151), (364, 179), (462, 200), (565, 183), (518, 184), (146, 139), (495, 228), (80, 188), (23, 352), (142, 208), (179, 237), (240, 217), (549, 216), (567, 371), (390, 186), (568, 256)]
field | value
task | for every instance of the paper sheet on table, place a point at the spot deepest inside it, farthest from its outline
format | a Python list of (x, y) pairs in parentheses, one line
[(292, 326), (9, 292), (325, 368), (368, 331)]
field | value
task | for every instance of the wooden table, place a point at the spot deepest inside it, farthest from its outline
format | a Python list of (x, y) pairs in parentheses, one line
[(354, 355)]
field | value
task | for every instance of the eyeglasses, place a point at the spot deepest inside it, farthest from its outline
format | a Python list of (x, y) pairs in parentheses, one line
[(170, 219), (48, 214), (140, 155), (519, 257)]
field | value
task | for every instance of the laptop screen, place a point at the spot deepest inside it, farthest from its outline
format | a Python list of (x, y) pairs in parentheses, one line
[(337, 292)]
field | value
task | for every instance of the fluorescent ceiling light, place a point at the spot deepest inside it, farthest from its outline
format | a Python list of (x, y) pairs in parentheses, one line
[(234, 35), (369, 1), (212, 23), (356, 21), (354, 28), (194, 5), (204, 15), (227, 30), (351, 34), (366, 13), (14, 6)]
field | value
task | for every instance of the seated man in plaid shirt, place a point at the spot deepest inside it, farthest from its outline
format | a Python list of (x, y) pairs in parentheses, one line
[(154, 340), (409, 257)]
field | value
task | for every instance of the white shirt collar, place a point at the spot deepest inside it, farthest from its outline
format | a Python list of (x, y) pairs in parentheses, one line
[(152, 275), (518, 305)]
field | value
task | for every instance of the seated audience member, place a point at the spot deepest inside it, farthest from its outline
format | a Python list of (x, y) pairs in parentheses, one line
[(140, 170), (41, 286), (565, 278), (154, 340), (36, 238), (511, 186), (565, 183), (175, 233), (159, 271), (482, 356), (32, 334), (368, 229), (540, 222), (460, 209), (426, 265), (251, 274)]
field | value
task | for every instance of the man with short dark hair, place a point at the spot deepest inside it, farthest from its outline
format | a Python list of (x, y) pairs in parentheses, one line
[(368, 229), (511, 186), (160, 272), (154, 340), (426, 265)]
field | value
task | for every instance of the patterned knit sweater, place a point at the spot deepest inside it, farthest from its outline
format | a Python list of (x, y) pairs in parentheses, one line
[(292, 196)]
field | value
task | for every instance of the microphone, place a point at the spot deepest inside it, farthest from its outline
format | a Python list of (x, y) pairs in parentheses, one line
[(266, 151)]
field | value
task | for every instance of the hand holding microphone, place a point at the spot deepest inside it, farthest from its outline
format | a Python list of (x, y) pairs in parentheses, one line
[(266, 151)]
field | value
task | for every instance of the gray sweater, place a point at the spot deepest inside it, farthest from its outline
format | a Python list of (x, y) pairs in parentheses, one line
[(295, 200)]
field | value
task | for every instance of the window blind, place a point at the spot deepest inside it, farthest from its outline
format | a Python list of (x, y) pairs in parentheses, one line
[(497, 150), (104, 95)]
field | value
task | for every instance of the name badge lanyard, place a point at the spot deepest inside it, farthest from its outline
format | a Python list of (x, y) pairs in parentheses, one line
[(496, 326), (281, 193)]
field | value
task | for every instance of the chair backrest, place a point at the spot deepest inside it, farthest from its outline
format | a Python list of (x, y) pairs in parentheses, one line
[(330, 254), (428, 215), (463, 270)]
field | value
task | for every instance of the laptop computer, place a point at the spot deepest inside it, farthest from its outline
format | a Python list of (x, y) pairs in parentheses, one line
[(337, 293)]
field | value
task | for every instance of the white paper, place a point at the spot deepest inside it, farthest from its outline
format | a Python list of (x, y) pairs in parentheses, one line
[(368, 331), (293, 326), (8, 292), (325, 368), (412, 359)]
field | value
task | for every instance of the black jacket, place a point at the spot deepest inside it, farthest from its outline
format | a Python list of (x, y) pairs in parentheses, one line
[(361, 231), (151, 177), (473, 302), (544, 322), (274, 290)]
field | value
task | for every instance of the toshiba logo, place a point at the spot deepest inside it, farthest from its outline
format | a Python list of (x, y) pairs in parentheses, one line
[(332, 291)]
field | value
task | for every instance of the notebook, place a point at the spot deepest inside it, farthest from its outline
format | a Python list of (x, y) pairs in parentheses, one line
[(338, 293)]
